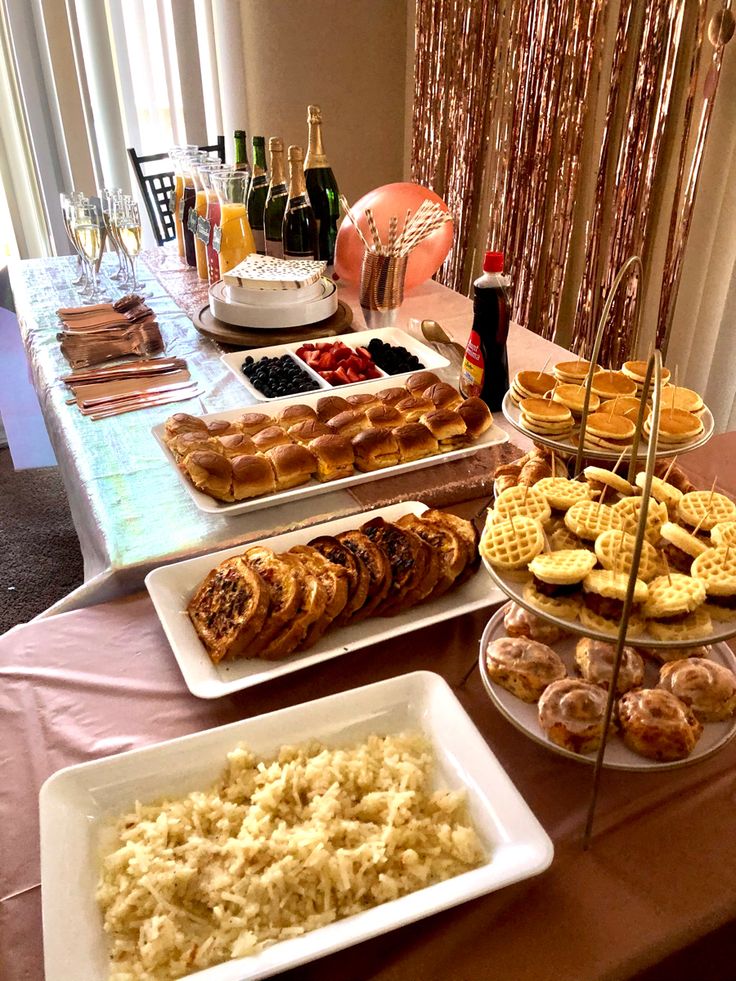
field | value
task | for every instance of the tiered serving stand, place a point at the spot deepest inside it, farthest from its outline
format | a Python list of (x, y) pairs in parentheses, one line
[(607, 755)]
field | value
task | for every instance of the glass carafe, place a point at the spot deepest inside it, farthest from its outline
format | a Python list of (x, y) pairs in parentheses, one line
[(189, 197), (236, 236)]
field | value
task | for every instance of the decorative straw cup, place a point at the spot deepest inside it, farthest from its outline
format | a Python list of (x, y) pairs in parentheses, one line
[(382, 281)]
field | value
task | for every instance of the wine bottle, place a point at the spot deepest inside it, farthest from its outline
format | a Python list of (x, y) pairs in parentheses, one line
[(257, 193), (241, 151), (299, 234), (276, 200), (321, 187)]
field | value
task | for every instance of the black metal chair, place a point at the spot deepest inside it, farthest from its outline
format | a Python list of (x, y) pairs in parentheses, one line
[(157, 189)]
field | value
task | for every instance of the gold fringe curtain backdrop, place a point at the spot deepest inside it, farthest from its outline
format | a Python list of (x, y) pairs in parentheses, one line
[(561, 133)]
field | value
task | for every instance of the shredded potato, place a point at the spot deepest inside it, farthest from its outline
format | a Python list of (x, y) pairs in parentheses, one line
[(276, 849)]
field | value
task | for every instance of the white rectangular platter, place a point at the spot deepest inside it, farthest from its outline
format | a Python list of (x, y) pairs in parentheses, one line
[(204, 502), (391, 335), (77, 805), (172, 586)]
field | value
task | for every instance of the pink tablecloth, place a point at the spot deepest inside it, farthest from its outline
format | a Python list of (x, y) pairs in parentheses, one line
[(660, 873)]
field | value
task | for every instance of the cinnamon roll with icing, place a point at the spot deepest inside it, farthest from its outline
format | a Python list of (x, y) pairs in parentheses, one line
[(709, 689), (522, 666), (572, 713), (656, 724), (594, 660), (519, 622)]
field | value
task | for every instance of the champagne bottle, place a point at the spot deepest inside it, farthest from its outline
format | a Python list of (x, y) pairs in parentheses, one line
[(276, 200), (321, 187), (257, 193), (300, 230), (241, 151)]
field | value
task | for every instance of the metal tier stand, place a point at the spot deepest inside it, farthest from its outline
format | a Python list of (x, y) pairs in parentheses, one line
[(653, 384)]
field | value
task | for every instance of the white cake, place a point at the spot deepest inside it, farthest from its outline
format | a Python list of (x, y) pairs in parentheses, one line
[(264, 272)]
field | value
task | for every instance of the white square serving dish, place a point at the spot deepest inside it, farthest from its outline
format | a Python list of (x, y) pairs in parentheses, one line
[(77, 805), (431, 360), (172, 586)]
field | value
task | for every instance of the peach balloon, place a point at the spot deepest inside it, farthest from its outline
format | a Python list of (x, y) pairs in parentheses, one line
[(392, 199)]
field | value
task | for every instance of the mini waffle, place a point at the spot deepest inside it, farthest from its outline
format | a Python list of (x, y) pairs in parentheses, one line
[(594, 621), (673, 595), (573, 372), (724, 533), (597, 476), (637, 371), (705, 508), (560, 537), (564, 567), (615, 551), (564, 607), (609, 432), (680, 547), (681, 398), (545, 417), (694, 626), (675, 427), (613, 586), (530, 385), (562, 493), (586, 519), (511, 543), (573, 396), (624, 406), (629, 509), (667, 494), (521, 500), (613, 384), (716, 567)]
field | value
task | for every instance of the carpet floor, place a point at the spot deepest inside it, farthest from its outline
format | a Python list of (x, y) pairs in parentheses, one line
[(41, 557)]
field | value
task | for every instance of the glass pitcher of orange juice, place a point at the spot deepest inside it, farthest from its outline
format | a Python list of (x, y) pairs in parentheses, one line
[(235, 237)]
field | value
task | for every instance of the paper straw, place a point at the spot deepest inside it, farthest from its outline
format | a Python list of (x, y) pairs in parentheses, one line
[(392, 223), (374, 231), (349, 213)]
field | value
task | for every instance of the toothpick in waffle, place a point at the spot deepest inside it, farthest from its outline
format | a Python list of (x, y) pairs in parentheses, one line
[(511, 543), (586, 519), (706, 508)]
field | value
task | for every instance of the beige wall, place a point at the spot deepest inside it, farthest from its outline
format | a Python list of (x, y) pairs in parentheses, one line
[(349, 57)]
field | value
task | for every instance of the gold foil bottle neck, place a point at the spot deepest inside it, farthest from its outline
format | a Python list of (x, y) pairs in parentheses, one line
[(316, 156), (297, 184)]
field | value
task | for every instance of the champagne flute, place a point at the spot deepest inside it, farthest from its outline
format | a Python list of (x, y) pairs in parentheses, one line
[(67, 206), (85, 225), (108, 197), (129, 232)]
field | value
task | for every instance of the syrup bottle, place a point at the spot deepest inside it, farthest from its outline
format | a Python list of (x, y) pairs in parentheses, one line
[(485, 368)]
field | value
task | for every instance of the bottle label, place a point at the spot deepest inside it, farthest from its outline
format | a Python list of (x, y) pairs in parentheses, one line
[(203, 230), (275, 248), (473, 368), (259, 237), (217, 238), (172, 200), (192, 220), (181, 210)]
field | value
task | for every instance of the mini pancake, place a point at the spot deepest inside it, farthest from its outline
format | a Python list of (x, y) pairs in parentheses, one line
[(611, 432), (544, 410), (573, 372), (532, 384), (681, 398), (637, 370), (676, 426), (573, 396), (612, 384), (624, 406)]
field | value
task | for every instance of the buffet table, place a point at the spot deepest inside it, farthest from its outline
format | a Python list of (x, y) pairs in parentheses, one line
[(129, 510), (659, 874)]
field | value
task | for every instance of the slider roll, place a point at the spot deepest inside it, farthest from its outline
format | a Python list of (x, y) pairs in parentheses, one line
[(211, 473), (292, 465), (375, 449), (334, 456), (415, 441), (252, 476)]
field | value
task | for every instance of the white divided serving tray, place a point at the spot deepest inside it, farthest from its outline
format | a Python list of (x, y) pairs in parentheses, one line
[(431, 360), (79, 804), (618, 756), (204, 502), (172, 586)]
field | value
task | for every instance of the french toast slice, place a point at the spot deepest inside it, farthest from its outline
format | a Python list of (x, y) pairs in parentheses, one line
[(465, 530), (333, 579), (407, 558), (446, 544), (311, 608), (286, 594), (433, 570), (358, 579), (377, 565), (229, 608)]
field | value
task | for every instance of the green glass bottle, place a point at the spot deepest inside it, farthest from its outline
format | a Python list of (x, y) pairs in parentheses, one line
[(276, 200), (257, 193), (299, 234), (321, 187), (241, 151)]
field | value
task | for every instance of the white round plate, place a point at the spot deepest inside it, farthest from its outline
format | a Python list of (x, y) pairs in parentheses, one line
[(276, 298), (512, 412), (617, 756), (297, 314), (514, 589)]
